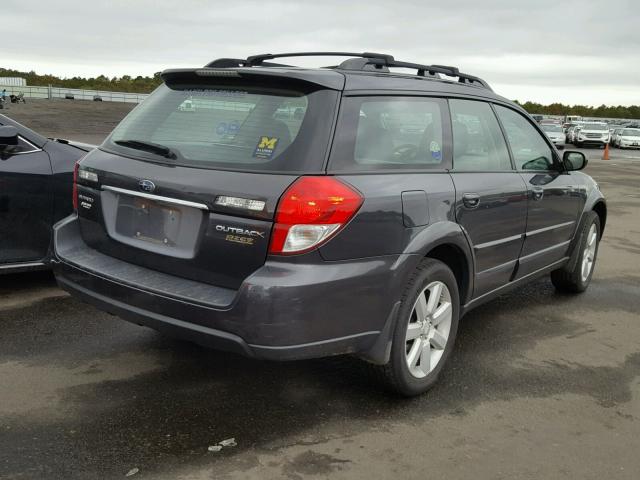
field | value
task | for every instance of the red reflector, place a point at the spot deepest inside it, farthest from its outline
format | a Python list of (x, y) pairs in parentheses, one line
[(75, 186), (323, 201)]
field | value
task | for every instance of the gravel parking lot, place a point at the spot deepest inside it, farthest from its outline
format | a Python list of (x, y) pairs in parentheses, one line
[(541, 385)]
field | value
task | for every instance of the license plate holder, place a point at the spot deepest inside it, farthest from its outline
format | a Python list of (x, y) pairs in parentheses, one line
[(148, 221)]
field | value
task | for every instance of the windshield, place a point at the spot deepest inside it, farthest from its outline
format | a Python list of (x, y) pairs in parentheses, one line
[(595, 126), (239, 128), (631, 133), (552, 128)]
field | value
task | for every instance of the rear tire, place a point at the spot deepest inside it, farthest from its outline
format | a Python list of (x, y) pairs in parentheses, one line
[(425, 330), (578, 278)]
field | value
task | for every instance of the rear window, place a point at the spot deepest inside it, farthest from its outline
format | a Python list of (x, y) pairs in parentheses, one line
[(246, 128), (377, 133)]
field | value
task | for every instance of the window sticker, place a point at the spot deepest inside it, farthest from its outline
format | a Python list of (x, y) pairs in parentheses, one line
[(233, 127), (222, 128), (266, 147), (435, 150)]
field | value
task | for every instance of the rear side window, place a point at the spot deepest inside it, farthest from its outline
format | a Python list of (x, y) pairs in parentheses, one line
[(240, 127), (530, 150), (389, 133), (478, 143)]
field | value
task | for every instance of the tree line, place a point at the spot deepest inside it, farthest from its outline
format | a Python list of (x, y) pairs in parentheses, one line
[(603, 111), (142, 84), (125, 83)]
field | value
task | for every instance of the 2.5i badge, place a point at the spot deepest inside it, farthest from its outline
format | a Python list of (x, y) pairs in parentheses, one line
[(265, 148)]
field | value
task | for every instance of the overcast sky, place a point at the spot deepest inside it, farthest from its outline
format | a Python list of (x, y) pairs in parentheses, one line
[(584, 51)]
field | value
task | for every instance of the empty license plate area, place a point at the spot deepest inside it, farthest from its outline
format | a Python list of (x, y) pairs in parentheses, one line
[(152, 225), (148, 220)]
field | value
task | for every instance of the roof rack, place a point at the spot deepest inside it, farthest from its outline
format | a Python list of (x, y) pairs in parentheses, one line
[(359, 61)]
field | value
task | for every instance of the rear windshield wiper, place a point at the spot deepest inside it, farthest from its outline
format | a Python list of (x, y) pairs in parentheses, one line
[(156, 148)]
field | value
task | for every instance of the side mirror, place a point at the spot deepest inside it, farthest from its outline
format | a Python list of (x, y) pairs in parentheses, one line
[(573, 160), (8, 136)]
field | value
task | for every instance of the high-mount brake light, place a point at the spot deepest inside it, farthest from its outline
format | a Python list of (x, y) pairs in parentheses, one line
[(311, 211)]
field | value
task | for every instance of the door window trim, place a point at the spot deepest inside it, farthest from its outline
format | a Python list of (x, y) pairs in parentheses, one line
[(453, 170), (556, 160), (35, 147), (447, 138)]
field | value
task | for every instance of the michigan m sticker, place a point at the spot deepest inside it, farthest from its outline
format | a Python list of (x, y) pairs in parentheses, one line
[(265, 148)]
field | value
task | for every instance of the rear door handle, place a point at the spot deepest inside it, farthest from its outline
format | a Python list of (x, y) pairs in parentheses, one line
[(537, 193), (471, 200)]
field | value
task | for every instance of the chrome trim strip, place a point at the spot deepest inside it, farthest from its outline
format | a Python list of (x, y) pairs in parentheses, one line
[(158, 198), (11, 266), (545, 250), (546, 229), (35, 148), (499, 241)]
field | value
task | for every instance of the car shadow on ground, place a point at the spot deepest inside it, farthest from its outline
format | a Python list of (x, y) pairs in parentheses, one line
[(188, 397)]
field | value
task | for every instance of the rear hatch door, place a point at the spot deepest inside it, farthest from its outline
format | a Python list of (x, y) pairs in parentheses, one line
[(189, 182)]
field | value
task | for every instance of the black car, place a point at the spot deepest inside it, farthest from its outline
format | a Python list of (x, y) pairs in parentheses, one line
[(35, 187), (367, 221)]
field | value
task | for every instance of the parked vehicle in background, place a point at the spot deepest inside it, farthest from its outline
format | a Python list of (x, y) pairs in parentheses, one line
[(366, 222), (36, 179), (628, 138), (614, 136), (537, 118), (612, 129), (555, 133), (592, 134), (571, 133), (572, 118)]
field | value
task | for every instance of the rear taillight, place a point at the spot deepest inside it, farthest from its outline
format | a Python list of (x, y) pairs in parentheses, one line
[(311, 211), (75, 186)]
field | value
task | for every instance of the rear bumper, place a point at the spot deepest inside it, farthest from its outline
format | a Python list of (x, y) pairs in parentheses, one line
[(286, 310)]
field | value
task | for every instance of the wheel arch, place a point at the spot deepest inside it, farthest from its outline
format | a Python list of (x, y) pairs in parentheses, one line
[(600, 207), (446, 242)]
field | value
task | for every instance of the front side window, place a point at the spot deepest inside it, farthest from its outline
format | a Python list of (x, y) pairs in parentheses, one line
[(389, 133), (530, 150), (478, 143)]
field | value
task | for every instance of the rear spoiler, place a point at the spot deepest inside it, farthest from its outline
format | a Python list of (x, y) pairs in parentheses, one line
[(272, 75)]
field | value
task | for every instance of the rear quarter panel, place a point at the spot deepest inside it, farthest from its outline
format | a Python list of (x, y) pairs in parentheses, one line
[(381, 227)]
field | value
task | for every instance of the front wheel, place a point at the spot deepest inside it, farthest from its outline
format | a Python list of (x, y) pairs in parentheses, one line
[(578, 278), (425, 329)]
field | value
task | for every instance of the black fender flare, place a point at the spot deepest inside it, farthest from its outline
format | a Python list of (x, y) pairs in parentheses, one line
[(450, 234), (427, 240), (595, 200)]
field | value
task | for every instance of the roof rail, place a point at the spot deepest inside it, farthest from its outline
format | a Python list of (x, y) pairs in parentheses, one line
[(359, 61), (423, 70)]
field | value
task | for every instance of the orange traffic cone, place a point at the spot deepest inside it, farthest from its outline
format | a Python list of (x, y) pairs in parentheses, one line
[(605, 155)]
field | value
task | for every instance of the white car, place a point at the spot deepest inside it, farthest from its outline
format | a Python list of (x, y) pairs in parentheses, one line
[(614, 136), (554, 132), (592, 134), (629, 138), (572, 132)]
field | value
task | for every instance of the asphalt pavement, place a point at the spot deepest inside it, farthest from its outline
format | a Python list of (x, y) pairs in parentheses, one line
[(541, 385)]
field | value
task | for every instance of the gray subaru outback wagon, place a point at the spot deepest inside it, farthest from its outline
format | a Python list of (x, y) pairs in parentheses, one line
[(287, 213)]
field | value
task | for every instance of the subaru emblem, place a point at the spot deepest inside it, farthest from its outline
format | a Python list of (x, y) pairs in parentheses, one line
[(147, 186)]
